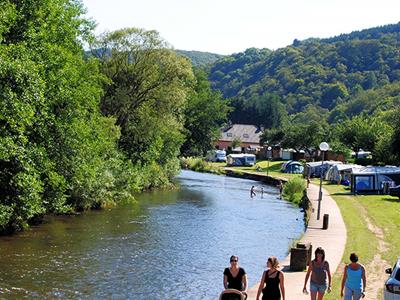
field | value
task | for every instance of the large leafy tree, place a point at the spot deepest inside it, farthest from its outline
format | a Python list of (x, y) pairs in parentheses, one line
[(146, 92), (57, 152), (361, 132), (205, 113), (296, 136), (395, 140)]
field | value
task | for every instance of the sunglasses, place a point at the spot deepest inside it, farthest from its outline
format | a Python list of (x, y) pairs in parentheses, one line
[(234, 260)]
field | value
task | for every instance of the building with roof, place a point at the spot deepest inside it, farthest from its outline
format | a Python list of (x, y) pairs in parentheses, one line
[(248, 135)]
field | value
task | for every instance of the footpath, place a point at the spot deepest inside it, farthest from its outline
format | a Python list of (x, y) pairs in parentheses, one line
[(332, 240)]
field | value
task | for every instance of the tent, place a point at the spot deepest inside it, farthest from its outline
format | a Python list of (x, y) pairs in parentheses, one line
[(313, 169), (292, 167), (372, 179), (341, 172)]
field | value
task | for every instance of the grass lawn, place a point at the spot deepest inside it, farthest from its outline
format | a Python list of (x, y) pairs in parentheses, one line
[(383, 211)]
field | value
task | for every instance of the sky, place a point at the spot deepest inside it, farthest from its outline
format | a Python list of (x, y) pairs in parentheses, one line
[(232, 26)]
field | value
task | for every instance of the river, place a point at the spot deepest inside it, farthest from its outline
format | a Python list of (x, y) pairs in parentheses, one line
[(170, 245)]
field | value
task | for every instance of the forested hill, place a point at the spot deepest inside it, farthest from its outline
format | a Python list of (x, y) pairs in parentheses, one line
[(199, 58), (324, 73)]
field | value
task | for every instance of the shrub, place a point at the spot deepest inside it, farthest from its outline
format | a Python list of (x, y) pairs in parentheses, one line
[(293, 190)]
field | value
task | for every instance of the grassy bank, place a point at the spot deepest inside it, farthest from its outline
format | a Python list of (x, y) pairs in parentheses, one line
[(200, 165), (359, 212)]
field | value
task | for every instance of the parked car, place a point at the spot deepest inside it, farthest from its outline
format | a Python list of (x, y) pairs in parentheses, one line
[(391, 290), (395, 191)]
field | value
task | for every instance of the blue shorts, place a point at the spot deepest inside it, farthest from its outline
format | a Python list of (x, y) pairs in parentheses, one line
[(352, 294), (318, 287)]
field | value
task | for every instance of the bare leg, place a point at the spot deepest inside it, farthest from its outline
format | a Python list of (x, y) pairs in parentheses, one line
[(313, 295), (320, 296)]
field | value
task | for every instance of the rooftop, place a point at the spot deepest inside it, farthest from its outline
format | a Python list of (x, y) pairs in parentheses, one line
[(245, 133)]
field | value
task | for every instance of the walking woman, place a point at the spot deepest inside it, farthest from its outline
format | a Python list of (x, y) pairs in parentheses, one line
[(319, 270), (272, 283), (354, 280), (235, 277)]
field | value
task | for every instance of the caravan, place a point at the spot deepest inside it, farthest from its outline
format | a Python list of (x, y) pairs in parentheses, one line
[(216, 156), (241, 160)]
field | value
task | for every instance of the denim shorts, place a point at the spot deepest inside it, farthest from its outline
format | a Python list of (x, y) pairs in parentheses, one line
[(352, 294), (318, 287)]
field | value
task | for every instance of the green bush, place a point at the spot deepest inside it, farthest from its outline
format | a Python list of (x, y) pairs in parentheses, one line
[(293, 190)]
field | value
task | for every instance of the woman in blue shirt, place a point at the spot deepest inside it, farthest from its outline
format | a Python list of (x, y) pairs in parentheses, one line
[(354, 280)]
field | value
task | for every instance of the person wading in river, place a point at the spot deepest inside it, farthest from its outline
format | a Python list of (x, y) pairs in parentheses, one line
[(252, 191)]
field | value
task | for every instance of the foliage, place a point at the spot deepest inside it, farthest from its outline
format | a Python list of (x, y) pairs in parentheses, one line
[(323, 73), (261, 110), (146, 92), (361, 132), (395, 138), (205, 113), (236, 142), (199, 165), (199, 58), (293, 190), (57, 152), (296, 136)]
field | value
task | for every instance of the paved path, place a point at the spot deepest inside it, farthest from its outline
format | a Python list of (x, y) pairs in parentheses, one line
[(332, 240)]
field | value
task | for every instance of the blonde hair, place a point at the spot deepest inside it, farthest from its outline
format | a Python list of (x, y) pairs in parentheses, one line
[(273, 261)]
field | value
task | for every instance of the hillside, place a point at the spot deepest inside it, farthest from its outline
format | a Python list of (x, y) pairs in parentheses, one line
[(324, 73), (199, 58)]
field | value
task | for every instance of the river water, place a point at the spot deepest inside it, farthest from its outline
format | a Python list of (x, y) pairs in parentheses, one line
[(171, 245)]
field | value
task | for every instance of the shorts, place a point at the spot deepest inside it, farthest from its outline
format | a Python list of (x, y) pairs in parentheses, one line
[(318, 287), (352, 294)]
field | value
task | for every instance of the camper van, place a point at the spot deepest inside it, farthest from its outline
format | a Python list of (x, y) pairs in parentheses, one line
[(216, 156), (241, 160)]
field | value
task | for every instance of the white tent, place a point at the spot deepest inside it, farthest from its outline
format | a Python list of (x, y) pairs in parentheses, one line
[(339, 172)]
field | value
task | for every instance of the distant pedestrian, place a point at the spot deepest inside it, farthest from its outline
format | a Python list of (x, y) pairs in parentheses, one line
[(308, 181), (319, 271), (280, 187), (262, 192), (252, 191), (354, 280), (272, 282)]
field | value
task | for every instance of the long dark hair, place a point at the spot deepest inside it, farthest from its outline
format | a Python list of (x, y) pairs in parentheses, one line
[(319, 250)]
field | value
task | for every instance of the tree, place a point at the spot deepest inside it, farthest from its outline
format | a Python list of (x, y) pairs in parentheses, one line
[(236, 142), (395, 140), (57, 152), (360, 132), (296, 136), (205, 113), (146, 91)]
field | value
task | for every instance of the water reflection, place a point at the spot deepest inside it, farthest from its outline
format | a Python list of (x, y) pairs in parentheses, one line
[(172, 245)]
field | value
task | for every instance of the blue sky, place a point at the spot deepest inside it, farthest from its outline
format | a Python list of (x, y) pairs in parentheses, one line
[(231, 26)]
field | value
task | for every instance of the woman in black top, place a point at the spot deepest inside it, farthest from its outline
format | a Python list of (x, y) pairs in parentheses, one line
[(272, 282), (235, 277)]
